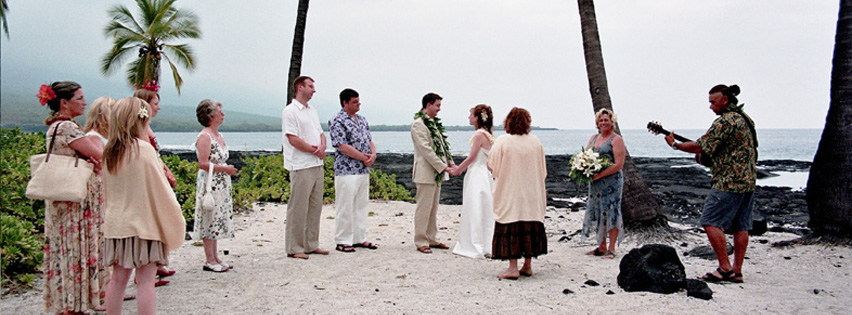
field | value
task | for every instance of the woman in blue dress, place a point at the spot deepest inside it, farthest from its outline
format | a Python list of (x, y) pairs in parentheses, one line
[(603, 215)]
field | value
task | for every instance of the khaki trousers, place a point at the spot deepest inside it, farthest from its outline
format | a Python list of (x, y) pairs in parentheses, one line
[(425, 217), (304, 210)]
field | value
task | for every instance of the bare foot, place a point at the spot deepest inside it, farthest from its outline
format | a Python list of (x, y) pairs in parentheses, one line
[(298, 255), (510, 275), (526, 272), (319, 251)]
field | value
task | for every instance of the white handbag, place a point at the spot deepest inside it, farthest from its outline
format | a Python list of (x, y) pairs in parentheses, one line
[(58, 177), (207, 201)]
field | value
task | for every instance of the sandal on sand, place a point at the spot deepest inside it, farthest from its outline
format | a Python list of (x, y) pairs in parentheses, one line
[(424, 249), (726, 276), (609, 255), (737, 278), (367, 245), (165, 273), (344, 248), (596, 252), (440, 246), (214, 268)]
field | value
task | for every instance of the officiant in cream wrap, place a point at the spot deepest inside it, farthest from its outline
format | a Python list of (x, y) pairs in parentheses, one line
[(432, 160)]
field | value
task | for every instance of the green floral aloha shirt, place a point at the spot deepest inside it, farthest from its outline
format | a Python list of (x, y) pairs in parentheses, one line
[(729, 143)]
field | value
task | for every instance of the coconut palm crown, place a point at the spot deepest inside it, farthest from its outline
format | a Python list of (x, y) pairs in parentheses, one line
[(148, 38)]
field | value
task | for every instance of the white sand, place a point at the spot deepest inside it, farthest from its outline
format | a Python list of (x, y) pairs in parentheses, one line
[(397, 279)]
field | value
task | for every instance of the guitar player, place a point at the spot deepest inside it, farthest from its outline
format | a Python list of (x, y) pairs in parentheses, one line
[(731, 143)]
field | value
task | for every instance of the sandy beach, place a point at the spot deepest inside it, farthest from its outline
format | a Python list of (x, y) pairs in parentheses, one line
[(397, 279)]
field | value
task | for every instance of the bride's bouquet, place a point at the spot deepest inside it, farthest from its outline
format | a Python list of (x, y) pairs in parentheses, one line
[(586, 164)]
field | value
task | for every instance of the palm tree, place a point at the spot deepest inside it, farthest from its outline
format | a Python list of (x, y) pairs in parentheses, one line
[(3, 8), (298, 45), (638, 204), (829, 191), (159, 23)]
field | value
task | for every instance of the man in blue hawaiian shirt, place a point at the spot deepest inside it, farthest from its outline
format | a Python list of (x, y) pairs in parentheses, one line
[(355, 153)]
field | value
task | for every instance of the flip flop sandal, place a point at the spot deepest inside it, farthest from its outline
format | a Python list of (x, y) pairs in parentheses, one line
[(609, 255), (737, 278), (726, 276), (367, 245), (440, 246), (424, 249), (596, 252), (344, 248)]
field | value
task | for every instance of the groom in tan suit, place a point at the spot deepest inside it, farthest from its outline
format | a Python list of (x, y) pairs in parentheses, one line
[(432, 164)]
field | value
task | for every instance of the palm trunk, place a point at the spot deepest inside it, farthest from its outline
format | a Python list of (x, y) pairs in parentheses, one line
[(638, 204), (298, 45), (829, 191)]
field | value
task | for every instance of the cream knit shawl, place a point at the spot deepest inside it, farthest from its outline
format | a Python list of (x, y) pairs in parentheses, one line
[(140, 202)]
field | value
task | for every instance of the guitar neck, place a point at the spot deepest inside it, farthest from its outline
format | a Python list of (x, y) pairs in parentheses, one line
[(676, 136)]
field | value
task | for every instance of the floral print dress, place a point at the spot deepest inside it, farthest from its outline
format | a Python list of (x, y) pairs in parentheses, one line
[(214, 224), (75, 278), (604, 205)]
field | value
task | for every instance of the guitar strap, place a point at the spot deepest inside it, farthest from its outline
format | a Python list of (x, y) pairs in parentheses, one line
[(753, 132)]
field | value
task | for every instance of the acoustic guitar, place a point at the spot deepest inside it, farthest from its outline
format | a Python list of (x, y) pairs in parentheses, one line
[(702, 158)]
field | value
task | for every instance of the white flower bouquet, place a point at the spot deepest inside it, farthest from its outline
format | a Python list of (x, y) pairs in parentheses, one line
[(586, 164)]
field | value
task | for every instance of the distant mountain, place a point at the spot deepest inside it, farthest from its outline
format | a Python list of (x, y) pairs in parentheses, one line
[(23, 111)]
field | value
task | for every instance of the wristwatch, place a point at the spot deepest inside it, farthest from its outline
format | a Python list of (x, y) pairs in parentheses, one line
[(674, 146)]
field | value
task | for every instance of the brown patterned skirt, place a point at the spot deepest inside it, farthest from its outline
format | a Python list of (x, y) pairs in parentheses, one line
[(518, 239)]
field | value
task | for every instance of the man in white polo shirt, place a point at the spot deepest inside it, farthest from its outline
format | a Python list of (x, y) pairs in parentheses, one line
[(304, 151)]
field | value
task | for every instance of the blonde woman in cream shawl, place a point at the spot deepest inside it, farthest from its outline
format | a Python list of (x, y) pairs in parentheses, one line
[(143, 219)]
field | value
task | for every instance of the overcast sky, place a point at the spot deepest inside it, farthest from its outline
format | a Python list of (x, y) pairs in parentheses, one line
[(661, 57)]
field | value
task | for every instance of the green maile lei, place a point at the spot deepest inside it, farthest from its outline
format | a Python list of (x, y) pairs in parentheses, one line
[(436, 131)]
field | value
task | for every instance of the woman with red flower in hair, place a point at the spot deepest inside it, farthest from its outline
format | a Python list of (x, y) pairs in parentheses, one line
[(148, 93), (72, 237)]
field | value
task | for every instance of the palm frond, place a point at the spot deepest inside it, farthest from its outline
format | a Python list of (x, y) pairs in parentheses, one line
[(149, 32), (122, 15), (183, 54), (113, 60), (3, 8), (175, 74)]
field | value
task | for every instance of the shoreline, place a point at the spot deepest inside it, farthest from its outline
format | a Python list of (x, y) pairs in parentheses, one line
[(678, 184)]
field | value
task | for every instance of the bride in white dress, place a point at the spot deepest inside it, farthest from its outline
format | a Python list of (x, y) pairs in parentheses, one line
[(476, 227)]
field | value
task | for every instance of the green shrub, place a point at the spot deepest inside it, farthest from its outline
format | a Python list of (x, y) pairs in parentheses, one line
[(185, 173), (22, 219), (22, 249), (263, 178)]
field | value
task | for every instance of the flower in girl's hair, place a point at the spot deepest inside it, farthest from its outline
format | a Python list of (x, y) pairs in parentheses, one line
[(587, 163), (151, 86), (45, 94), (143, 113)]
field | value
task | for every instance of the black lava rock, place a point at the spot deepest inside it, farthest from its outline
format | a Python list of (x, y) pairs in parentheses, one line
[(654, 268), (567, 291), (758, 227), (591, 283), (698, 289), (706, 252)]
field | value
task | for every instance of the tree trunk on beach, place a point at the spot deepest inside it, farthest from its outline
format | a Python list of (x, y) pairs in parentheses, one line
[(638, 204), (829, 191), (298, 45)]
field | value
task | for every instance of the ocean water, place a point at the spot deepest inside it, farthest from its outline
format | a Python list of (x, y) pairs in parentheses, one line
[(774, 144)]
